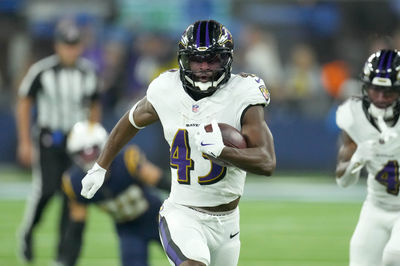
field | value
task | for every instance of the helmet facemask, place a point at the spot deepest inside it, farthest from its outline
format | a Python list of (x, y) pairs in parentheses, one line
[(205, 57), (205, 72), (387, 111)]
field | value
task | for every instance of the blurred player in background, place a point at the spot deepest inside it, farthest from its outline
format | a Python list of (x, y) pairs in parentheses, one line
[(371, 138), (128, 195), (63, 90), (199, 222)]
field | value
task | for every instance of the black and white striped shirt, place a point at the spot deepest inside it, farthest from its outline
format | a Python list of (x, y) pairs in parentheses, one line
[(63, 94)]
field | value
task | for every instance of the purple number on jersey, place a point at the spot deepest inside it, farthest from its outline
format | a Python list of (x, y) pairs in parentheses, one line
[(180, 160), (180, 156), (389, 177), (217, 172)]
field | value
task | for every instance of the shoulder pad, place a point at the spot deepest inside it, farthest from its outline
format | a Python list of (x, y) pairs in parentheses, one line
[(349, 114), (344, 117)]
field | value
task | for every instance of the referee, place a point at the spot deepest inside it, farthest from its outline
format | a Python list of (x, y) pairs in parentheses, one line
[(62, 88)]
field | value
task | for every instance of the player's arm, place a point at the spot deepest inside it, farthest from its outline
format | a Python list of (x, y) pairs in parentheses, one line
[(23, 113), (349, 162), (141, 115), (152, 175), (27, 92), (144, 170), (259, 157), (346, 151)]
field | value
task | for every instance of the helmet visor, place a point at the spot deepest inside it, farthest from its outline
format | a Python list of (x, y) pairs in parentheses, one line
[(187, 59), (385, 89), (205, 66)]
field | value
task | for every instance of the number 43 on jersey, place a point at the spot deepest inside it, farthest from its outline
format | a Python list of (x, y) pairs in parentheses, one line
[(180, 160)]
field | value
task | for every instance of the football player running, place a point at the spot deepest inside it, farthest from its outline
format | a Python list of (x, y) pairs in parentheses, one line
[(127, 195), (199, 222), (371, 139)]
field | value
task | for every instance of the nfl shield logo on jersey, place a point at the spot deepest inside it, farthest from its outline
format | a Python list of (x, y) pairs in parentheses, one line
[(195, 108)]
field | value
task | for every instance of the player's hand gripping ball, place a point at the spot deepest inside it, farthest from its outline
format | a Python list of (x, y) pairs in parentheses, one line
[(231, 137)]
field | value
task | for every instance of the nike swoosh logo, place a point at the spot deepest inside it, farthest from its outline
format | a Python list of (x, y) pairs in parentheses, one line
[(205, 144), (258, 80), (233, 235)]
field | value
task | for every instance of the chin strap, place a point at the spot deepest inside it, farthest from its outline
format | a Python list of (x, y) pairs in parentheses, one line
[(203, 86), (387, 113)]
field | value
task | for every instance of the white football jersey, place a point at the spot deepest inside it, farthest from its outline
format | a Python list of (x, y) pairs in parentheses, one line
[(383, 172), (196, 181)]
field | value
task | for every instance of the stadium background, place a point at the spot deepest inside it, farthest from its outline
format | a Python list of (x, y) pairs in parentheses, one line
[(308, 52)]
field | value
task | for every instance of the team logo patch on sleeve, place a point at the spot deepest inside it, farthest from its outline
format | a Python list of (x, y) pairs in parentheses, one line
[(265, 92)]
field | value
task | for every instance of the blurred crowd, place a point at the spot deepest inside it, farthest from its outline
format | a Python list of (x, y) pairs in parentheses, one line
[(309, 52), (312, 65)]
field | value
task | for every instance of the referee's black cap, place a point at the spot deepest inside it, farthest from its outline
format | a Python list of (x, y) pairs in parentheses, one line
[(67, 32)]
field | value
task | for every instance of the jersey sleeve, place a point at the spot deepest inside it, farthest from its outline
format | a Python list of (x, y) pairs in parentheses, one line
[(151, 94), (252, 92), (30, 84), (157, 89), (344, 117)]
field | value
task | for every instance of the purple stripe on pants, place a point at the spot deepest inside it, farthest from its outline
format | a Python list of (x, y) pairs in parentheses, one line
[(172, 250)]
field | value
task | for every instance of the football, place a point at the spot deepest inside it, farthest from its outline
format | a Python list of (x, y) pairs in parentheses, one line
[(230, 135), (231, 138)]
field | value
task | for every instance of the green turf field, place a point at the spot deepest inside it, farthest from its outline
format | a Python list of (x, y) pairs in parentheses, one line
[(285, 221), (272, 233)]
